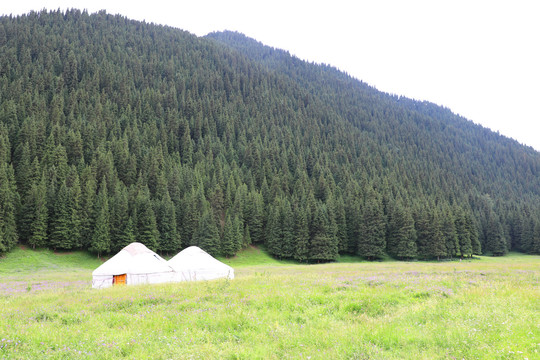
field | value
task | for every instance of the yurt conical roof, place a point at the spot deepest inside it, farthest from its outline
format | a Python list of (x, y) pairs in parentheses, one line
[(135, 258), (193, 263)]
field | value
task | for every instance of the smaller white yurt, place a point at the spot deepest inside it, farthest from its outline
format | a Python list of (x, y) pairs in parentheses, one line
[(134, 264), (194, 264)]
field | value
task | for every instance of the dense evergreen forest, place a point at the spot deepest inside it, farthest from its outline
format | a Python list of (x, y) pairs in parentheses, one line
[(114, 131)]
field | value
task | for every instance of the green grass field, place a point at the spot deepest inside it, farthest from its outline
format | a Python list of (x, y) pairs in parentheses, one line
[(487, 308)]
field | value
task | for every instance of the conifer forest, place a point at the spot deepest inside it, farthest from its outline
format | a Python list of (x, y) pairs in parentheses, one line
[(114, 131)]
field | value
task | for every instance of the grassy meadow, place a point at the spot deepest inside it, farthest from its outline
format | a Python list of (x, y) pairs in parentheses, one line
[(487, 308)]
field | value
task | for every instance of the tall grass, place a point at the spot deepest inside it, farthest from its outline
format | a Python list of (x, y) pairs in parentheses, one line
[(481, 309)]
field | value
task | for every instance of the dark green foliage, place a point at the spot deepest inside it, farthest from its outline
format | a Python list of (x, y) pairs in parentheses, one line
[(121, 233), (9, 200), (441, 235), (341, 225), (401, 234), (101, 241), (5, 145), (495, 241), (287, 230), (255, 217), (232, 236), (449, 234), (301, 234), (535, 244), (273, 232), (280, 239), (516, 231), (74, 210), (463, 235), (172, 133), (169, 238), (354, 221), (229, 239), (437, 243), (207, 235), (60, 220), (88, 200), (145, 224), (246, 236), (372, 240), (36, 215), (27, 170), (323, 243), (423, 227), (473, 234)]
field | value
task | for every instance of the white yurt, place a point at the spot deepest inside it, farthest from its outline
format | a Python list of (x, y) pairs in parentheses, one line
[(134, 264), (193, 264)]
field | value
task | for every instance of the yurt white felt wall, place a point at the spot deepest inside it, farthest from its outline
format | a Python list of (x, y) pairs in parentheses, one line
[(134, 264), (193, 264)]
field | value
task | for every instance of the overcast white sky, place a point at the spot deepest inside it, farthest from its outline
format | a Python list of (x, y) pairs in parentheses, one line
[(480, 58)]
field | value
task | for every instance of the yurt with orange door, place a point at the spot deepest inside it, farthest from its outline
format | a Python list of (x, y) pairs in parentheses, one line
[(134, 264)]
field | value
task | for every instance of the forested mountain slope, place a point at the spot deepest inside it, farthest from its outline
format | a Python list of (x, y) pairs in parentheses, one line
[(113, 131), (407, 128)]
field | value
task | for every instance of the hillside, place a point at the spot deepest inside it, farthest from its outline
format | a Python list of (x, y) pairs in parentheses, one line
[(114, 130)]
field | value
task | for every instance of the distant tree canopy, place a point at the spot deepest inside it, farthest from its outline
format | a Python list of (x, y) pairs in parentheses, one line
[(113, 131)]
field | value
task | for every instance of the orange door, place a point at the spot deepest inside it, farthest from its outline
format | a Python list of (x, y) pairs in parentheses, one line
[(119, 279)]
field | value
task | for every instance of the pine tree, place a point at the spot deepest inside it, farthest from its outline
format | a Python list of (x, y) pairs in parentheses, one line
[(273, 231), (239, 233), (70, 71), (516, 231), (240, 202), (401, 234), (464, 235), (301, 235), (186, 146), (255, 218), (448, 229), (5, 145), (529, 225), (120, 236), (535, 243), (195, 203), (341, 226), (128, 235), (25, 175), (207, 235), (101, 240), (476, 246), (372, 241), (8, 116), (74, 209), (8, 206), (422, 225), (38, 214), (437, 242), (88, 203), (324, 246), (246, 235), (27, 214), (287, 230), (228, 248), (169, 238), (495, 242), (354, 222), (60, 224), (146, 227)]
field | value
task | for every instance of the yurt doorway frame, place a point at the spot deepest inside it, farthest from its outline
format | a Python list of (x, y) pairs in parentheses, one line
[(120, 279)]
